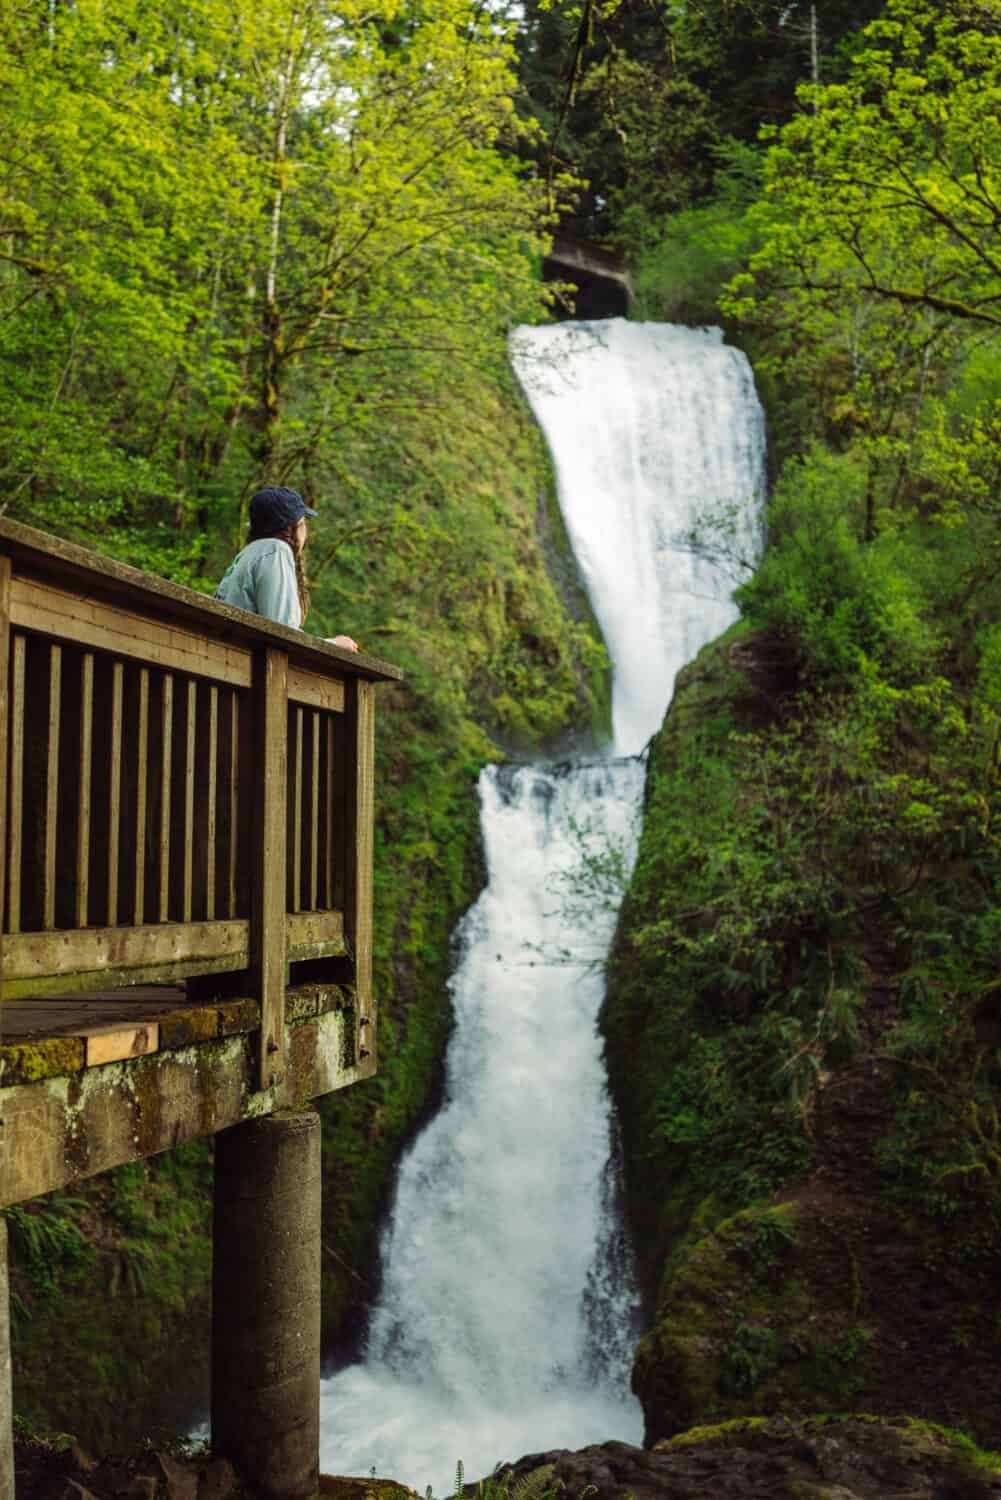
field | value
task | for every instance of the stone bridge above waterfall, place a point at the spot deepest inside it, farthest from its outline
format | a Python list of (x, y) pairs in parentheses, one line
[(600, 276)]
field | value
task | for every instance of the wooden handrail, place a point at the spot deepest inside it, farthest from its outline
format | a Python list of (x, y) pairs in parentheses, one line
[(185, 789)]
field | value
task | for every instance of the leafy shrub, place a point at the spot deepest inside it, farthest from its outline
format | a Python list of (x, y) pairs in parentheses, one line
[(831, 597)]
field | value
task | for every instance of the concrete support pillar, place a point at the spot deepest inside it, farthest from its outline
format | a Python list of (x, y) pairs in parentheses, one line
[(6, 1389), (266, 1303)]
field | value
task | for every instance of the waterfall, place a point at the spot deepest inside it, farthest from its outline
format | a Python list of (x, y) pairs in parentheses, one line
[(507, 1311), (655, 431)]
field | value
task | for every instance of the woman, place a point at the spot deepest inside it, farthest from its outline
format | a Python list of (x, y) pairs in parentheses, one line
[(268, 576)]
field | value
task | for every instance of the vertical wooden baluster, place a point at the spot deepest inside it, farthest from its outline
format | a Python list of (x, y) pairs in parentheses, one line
[(51, 817), (189, 800), (166, 766), (330, 901), (359, 843), (5, 640), (268, 908), (115, 789), (314, 819), (16, 804), (234, 795), (297, 813), (210, 811), (142, 773), (83, 773)]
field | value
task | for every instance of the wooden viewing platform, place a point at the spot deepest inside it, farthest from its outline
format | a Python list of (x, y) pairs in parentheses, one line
[(186, 806)]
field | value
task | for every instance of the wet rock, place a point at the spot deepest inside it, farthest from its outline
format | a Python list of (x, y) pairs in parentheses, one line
[(218, 1481), (140, 1487), (776, 1459), (179, 1481), (73, 1490), (81, 1461)]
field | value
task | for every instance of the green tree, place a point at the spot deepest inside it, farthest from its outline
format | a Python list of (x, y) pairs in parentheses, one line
[(230, 232), (878, 272), (888, 186)]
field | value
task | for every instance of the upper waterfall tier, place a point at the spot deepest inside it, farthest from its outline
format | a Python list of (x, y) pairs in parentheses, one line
[(659, 445)]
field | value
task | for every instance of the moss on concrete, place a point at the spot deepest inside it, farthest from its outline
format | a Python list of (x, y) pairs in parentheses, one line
[(50, 1057)]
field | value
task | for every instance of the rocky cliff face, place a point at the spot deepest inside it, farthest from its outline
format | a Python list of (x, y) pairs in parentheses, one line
[(813, 1193), (821, 1458)]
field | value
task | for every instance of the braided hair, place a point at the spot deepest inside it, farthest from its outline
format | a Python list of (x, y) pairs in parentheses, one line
[(287, 534)]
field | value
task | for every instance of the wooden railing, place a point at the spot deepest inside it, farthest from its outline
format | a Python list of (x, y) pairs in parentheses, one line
[(184, 790)]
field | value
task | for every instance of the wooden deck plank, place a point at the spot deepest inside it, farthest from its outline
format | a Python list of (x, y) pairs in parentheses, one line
[(295, 771), (233, 801), (188, 833), (314, 814), (359, 850), (4, 718), (106, 1044), (210, 801)]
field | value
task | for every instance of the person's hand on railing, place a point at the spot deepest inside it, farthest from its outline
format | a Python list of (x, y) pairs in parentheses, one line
[(344, 641)]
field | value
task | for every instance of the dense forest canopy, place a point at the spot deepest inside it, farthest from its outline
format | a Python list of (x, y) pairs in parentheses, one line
[(636, 96), (237, 240)]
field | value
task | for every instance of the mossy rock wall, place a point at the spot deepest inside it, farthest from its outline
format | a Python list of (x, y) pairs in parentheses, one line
[(815, 1212)]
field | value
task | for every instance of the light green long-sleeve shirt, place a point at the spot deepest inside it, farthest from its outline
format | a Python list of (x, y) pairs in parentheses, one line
[(262, 579)]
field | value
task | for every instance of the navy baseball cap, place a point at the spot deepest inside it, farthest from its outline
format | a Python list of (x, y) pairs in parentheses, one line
[(274, 508)]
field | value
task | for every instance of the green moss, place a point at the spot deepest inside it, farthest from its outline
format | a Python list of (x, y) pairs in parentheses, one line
[(28, 1062), (909, 1437), (112, 1343)]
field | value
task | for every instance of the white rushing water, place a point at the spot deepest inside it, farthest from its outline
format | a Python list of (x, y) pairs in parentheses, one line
[(656, 432), (507, 1311)]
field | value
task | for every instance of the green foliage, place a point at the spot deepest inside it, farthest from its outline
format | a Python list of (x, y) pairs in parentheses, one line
[(886, 188), (752, 1354), (112, 1286), (634, 97), (537, 1484), (44, 1238), (692, 254), (235, 235), (834, 601)]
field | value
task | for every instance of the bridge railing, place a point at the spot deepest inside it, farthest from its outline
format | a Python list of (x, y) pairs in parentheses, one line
[(184, 790)]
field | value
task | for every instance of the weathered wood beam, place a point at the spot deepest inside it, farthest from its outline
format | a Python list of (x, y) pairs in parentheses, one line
[(71, 1126), (50, 611), (315, 691)]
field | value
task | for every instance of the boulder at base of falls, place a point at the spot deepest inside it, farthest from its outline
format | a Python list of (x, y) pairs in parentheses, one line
[(757, 1458)]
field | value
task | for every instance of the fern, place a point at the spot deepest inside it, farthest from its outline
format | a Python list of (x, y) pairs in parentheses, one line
[(536, 1485)]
